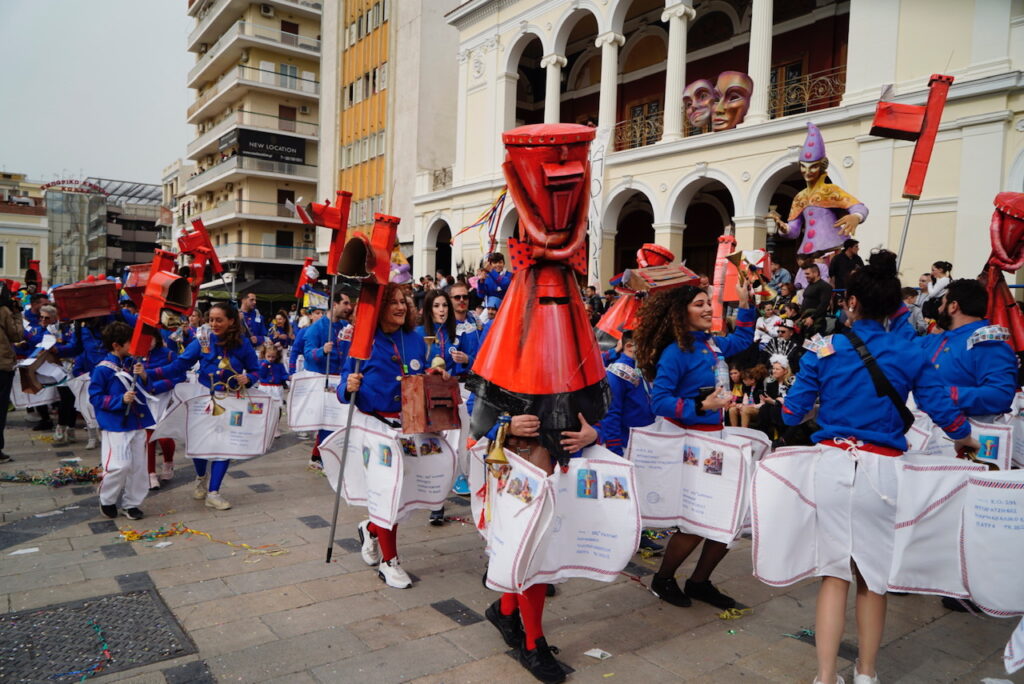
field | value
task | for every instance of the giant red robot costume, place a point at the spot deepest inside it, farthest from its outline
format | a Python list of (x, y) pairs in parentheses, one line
[(1007, 234), (541, 357)]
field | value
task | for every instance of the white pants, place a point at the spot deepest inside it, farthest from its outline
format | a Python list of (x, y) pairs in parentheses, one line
[(124, 468), (855, 494)]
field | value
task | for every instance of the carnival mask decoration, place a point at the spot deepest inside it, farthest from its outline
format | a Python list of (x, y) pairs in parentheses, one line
[(698, 100), (732, 94)]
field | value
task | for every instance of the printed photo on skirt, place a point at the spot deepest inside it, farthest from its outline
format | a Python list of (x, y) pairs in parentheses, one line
[(381, 474), (236, 427), (313, 403)]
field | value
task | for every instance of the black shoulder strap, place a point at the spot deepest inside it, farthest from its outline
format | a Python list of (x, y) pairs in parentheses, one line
[(883, 387)]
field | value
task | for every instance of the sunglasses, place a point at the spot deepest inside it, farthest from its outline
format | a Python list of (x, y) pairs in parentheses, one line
[(460, 297)]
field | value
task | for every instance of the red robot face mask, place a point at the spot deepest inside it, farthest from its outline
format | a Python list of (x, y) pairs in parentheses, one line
[(548, 176)]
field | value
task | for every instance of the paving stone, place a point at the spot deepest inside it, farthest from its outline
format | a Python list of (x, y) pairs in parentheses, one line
[(280, 658), (196, 592), (119, 550), (261, 488), (134, 581), (237, 474), (196, 672), (406, 625), (327, 614), (49, 595), (232, 636), (457, 611), (349, 544), (221, 611), (87, 489), (314, 522), (404, 661)]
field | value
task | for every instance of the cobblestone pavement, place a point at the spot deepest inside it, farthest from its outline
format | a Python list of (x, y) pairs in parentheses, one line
[(293, 618)]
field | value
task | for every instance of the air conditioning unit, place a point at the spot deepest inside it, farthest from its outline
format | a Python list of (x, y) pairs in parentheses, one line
[(203, 48), (303, 109), (209, 196), (266, 10), (229, 187), (244, 59), (307, 236)]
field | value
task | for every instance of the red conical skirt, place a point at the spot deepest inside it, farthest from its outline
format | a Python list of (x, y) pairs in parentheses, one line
[(541, 341), (622, 314)]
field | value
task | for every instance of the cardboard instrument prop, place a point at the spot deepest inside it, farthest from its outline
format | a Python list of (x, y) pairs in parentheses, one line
[(88, 298)]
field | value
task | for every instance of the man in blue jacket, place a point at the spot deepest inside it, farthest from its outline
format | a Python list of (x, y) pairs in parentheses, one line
[(326, 348), (497, 280), (253, 320)]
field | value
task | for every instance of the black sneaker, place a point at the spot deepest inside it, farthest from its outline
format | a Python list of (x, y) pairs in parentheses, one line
[(437, 517), (541, 662), (648, 544), (706, 592), (134, 513), (4, 458), (668, 590), (510, 626), (550, 591), (960, 606), (109, 510), (43, 426)]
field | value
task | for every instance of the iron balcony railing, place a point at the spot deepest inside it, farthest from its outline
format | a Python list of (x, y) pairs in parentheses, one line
[(249, 164), (252, 75), (256, 120), (247, 207), (259, 32), (252, 250)]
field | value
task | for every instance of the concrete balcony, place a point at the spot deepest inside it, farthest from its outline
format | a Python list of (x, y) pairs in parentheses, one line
[(251, 251), (228, 49), (241, 79), (213, 17), (236, 168), (206, 143), (246, 210)]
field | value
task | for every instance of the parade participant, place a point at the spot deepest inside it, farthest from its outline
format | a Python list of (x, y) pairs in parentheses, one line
[(439, 324), (860, 439), (298, 349), (255, 327), (31, 312), (64, 432), (467, 328), (159, 355), (630, 404), (123, 416), (686, 364), (491, 305), (11, 330), (496, 281), (398, 350), (813, 208), (273, 374), (226, 360), (325, 349), (280, 332)]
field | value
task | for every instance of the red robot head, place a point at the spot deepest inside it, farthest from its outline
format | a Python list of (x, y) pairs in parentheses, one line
[(651, 254), (548, 175)]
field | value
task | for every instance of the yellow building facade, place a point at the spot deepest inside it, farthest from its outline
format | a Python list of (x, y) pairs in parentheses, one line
[(624, 64), (24, 234)]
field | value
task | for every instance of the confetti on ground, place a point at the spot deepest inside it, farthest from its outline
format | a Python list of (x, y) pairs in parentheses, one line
[(96, 667), (734, 613), (48, 514), (22, 552), (58, 477), (179, 528), (802, 634)]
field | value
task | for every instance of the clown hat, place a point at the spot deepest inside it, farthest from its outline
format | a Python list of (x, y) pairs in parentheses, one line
[(401, 274), (814, 147)]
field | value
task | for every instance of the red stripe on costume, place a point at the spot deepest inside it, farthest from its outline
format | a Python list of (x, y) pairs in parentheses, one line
[(679, 409), (954, 394), (744, 324), (955, 425), (786, 409)]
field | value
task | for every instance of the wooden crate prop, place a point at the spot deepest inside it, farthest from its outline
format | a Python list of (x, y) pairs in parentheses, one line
[(430, 404), (86, 300)]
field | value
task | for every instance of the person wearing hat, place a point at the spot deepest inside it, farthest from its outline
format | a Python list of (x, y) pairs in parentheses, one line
[(844, 263), (491, 305), (785, 344)]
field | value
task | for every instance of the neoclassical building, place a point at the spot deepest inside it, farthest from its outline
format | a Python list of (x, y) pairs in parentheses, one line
[(623, 65)]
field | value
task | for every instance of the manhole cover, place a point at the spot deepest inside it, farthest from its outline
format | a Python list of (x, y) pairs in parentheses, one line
[(68, 641)]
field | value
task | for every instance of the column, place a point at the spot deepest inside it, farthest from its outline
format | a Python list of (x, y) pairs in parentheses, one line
[(751, 232), (670, 235), (609, 43), (553, 92), (871, 56), (759, 62), (461, 106), (980, 180), (678, 18)]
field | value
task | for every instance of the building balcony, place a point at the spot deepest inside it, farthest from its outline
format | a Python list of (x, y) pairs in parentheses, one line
[(806, 93), (246, 210), (206, 143), (213, 17), (229, 48), (236, 168), (239, 80), (251, 251)]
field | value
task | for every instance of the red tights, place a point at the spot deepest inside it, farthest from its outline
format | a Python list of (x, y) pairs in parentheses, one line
[(388, 540), (531, 610), (166, 445)]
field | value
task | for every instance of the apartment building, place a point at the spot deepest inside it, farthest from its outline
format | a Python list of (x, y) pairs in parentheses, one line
[(256, 117), (24, 234)]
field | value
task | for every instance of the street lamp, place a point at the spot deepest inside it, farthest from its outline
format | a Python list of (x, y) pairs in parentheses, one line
[(229, 278)]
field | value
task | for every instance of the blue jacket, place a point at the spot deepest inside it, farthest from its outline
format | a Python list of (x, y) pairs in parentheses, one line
[(442, 347), (255, 324), (392, 356), (470, 337), (86, 345), (980, 375), (298, 349), (849, 406), (242, 358), (630, 404), (156, 358), (319, 334), (106, 393), (272, 373), (681, 373), (494, 284)]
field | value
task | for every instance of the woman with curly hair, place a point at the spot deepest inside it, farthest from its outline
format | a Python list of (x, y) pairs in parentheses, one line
[(676, 351)]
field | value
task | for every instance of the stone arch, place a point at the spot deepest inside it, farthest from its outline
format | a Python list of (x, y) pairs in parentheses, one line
[(715, 203), (433, 256), (617, 18), (728, 10), (507, 227), (766, 183), (637, 37), (575, 72), (519, 43), (690, 184), (617, 198), (567, 22)]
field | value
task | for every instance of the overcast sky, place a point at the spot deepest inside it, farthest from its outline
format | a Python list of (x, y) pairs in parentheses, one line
[(93, 88)]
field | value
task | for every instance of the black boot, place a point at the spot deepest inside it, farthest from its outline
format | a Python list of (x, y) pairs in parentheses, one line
[(706, 592), (667, 589), (510, 626), (541, 662)]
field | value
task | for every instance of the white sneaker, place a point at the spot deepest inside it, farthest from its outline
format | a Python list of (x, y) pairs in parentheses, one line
[(167, 471), (839, 680), (859, 678), (393, 574), (215, 500), (93, 441), (199, 493), (370, 550), (60, 437), (154, 482)]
